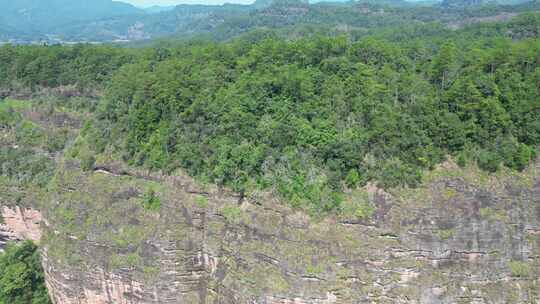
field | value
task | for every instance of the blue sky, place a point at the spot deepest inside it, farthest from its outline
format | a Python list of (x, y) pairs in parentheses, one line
[(145, 3)]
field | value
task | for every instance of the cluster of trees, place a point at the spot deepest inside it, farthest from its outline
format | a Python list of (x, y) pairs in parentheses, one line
[(309, 117), (312, 116), (21, 275), (34, 67)]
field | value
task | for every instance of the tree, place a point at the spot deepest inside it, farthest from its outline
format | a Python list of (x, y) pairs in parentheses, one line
[(445, 65), (21, 275)]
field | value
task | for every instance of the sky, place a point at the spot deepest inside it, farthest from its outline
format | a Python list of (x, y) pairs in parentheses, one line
[(146, 3)]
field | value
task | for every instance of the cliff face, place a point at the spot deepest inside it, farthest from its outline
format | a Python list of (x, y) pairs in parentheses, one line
[(461, 238), (18, 224)]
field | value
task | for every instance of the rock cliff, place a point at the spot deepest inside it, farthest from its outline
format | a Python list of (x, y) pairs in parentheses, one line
[(463, 237), (18, 224)]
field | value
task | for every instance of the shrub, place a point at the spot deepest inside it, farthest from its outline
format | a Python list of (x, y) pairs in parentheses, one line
[(395, 172), (29, 133), (488, 161), (150, 200), (364, 210), (232, 213), (56, 140), (519, 157), (518, 268), (201, 201), (8, 116), (353, 178), (88, 161), (461, 160), (445, 234), (25, 166)]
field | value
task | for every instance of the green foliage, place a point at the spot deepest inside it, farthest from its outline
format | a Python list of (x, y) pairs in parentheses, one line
[(353, 178), (29, 133), (364, 210), (56, 141), (445, 65), (150, 200), (314, 270), (493, 214), (309, 117), (461, 160), (201, 201), (76, 70), (87, 160), (8, 115), (21, 275), (516, 155), (519, 268), (25, 166), (445, 234), (232, 213), (488, 160)]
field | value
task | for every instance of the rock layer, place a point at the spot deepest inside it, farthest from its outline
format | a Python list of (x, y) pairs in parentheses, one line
[(18, 224), (455, 240)]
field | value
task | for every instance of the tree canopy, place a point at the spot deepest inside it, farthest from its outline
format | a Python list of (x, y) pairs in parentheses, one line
[(309, 117), (21, 275)]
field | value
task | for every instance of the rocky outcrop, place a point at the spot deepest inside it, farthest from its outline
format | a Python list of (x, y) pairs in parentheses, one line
[(18, 224), (460, 238)]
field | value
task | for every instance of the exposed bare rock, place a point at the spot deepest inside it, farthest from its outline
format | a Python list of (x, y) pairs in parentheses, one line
[(18, 223), (454, 240)]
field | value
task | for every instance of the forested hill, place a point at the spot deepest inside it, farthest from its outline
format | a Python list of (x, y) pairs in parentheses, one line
[(58, 21), (35, 18), (306, 118)]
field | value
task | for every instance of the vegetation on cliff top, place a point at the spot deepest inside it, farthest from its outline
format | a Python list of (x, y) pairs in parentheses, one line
[(311, 117)]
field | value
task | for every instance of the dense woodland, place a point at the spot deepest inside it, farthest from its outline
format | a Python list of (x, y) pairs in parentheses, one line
[(306, 117)]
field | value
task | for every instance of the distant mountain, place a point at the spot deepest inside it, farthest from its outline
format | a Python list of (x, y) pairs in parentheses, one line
[(58, 21), (386, 2), (43, 16), (468, 3), (461, 3), (158, 9)]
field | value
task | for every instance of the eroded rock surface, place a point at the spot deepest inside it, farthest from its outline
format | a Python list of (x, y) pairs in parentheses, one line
[(18, 224), (457, 239)]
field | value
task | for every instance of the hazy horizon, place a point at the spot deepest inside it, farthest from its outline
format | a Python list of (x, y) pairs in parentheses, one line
[(148, 3)]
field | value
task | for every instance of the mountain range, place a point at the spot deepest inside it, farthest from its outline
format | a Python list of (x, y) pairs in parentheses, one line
[(58, 21), (37, 17)]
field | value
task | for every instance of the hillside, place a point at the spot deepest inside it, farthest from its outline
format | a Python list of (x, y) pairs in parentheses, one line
[(104, 20), (42, 18), (290, 153)]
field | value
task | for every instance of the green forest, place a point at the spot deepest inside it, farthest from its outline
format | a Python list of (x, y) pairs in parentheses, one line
[(305, 118)]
